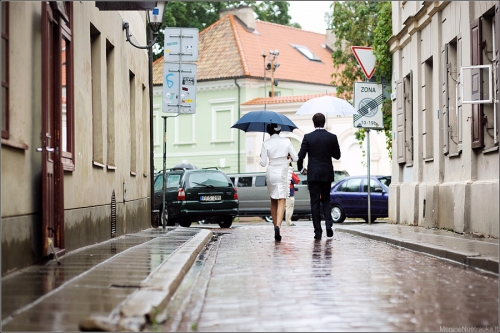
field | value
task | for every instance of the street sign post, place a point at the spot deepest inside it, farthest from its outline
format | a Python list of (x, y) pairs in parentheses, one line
[(179, 71), (179, 84), (366, 59), (368, 99)]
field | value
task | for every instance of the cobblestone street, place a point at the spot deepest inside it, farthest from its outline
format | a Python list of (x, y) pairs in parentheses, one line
[(247, 282)]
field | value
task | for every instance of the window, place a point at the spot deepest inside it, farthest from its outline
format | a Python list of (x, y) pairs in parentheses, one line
[(5, 69), (351, 185), (374, 186), (110, 90), (222, 119), (133, 138), (244, 181), (306, 52), (260, 181), (58, 78), (427, 111), (97, 121)]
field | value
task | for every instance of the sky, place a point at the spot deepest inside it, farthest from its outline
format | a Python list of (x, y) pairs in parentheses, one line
[(309, 14)]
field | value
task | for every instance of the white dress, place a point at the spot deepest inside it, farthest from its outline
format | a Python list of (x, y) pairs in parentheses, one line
[(276, 149)]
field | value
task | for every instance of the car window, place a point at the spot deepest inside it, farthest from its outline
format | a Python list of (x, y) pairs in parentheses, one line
[(350, 185), (385, 180), (207, 179), (260, 181), (339, 175), (172, 181), (232, 179), (374, 186), (245, 181)]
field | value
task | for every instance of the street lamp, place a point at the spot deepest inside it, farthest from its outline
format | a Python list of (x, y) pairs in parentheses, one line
[(155, 19), (271, 66)]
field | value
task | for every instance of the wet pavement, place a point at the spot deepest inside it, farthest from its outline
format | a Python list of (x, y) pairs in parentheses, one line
[(95, 280), (247, 282), (239, 279)]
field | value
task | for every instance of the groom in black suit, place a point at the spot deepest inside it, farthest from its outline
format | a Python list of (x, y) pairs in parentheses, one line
[(321, 146)]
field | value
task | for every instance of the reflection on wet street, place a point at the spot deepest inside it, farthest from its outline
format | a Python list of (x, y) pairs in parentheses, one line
[(95, 279), (248, 282)]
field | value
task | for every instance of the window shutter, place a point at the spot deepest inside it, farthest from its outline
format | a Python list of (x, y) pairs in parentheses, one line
[(445, 103), (477, 116), (400, 121)]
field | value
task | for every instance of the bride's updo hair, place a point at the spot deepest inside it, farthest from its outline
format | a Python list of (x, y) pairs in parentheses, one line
[(273, 129)]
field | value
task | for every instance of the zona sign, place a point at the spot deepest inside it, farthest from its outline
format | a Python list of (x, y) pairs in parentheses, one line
[(365, 58)]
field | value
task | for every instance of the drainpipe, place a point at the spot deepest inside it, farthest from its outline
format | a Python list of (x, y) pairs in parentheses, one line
[(239, 116), (151, 137)]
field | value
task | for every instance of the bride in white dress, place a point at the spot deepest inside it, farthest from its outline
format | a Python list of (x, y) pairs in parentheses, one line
[(278, 151)]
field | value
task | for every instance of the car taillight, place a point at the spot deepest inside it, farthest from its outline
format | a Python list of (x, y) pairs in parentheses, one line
[(235, 194), (181, 194)]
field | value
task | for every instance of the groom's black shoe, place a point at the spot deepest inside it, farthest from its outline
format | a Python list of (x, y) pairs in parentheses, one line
[(329, 232)]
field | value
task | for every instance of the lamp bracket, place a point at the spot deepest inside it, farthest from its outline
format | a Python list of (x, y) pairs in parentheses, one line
[(126, 27)]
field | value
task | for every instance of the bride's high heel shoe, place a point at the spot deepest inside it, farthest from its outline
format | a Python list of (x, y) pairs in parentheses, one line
[(277, 235)]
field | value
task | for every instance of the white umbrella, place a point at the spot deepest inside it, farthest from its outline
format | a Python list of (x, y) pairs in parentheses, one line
[(328, 105)]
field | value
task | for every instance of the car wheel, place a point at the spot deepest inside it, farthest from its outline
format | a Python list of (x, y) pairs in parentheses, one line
[(185, 224), (338, 215), (268, 218), (226, 222)]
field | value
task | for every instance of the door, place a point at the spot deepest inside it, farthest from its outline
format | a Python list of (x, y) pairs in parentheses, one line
[(52, 172)]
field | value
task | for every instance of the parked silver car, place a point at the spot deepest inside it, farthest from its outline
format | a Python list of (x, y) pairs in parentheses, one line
[(254, 196)]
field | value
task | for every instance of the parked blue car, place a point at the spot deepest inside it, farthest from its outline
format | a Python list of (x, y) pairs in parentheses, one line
[(349, 198)]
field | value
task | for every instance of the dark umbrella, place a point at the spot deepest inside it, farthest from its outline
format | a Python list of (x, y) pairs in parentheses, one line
[(256, 121), (183, 166)]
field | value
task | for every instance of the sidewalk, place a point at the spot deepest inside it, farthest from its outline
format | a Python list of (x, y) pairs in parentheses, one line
[(475, 252), (120, 284)]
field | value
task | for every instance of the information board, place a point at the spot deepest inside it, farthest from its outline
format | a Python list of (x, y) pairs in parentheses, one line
[(179, 88), (181, 45)]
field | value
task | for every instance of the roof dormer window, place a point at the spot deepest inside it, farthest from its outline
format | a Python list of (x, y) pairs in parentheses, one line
[(306, 52)]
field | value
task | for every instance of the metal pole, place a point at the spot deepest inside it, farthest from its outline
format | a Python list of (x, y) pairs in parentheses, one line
[(163, 222), (151, 127), (369, 179)]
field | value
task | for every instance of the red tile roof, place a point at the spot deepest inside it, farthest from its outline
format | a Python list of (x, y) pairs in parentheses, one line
[(285, 99), (227, 49)]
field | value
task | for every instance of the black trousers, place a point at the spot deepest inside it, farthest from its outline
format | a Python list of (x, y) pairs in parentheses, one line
[(319, 192)]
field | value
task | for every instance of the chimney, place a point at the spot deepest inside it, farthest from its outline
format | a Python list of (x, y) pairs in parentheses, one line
[(244, 13), (331, 39)]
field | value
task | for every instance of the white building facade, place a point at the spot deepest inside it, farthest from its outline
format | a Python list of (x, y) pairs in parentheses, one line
[(445, 115)]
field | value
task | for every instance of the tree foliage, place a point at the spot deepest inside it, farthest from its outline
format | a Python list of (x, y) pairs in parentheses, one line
[(362, 23), (201, 14)]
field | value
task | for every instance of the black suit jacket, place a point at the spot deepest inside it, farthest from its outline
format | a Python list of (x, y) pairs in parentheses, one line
[(321, 146)]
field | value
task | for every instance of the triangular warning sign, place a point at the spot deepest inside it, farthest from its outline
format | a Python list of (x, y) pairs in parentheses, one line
[(365, 58)]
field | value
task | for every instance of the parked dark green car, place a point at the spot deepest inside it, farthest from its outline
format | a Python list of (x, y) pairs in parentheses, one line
[(196, 195)]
